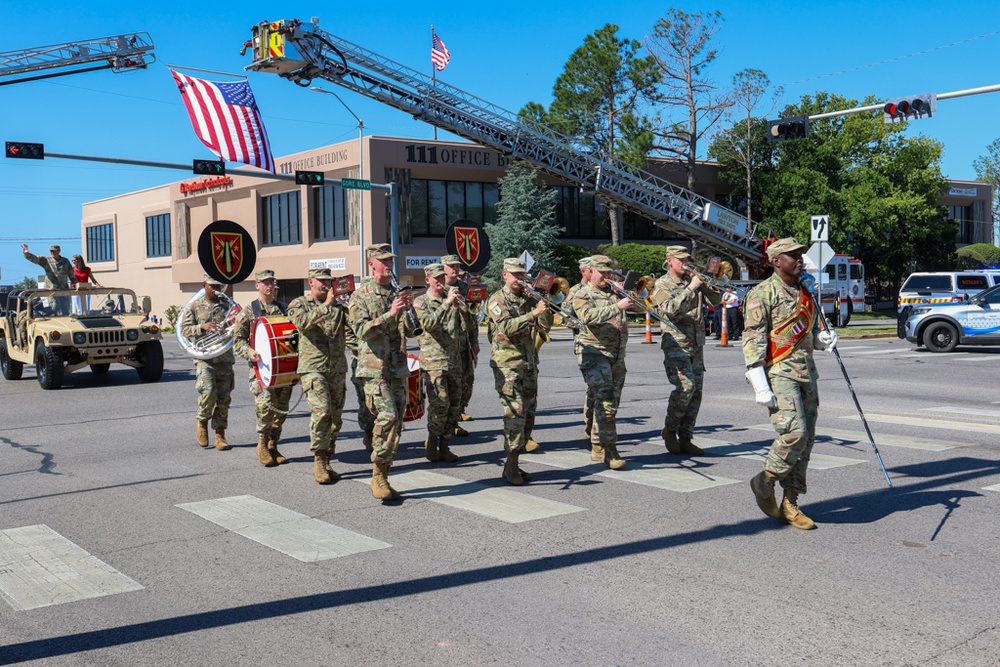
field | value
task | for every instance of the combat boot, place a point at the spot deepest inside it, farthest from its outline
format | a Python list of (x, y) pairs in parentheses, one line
[(670, 440), (322, 471), (461, 432), (272, 446), (201, 433), (464, 417), (689, 447), (792, 514), (380, 483), (220, 440), (762, 486), (431, 448), (444, 453), (369, 437), (611, 457), (596, 453), (510, 470), (264, 454), (531, 446)]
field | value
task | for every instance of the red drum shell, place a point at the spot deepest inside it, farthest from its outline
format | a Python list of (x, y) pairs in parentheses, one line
[(414, 391), (272, 338)]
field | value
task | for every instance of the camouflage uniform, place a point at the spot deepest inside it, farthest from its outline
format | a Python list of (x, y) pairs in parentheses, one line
[(322, 367), (366, 420), (58, 275), (440, 361), (602, 342), (271, 405), (793, 380), (214, 378), (588, 404), (511, 329), (683, 345), (468, 343), (381, 363)]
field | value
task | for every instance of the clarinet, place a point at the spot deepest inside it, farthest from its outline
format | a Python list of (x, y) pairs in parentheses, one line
[(410, 312)]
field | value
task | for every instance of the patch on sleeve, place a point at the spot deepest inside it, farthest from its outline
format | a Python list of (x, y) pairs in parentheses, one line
[(753, 303), (495, 309)]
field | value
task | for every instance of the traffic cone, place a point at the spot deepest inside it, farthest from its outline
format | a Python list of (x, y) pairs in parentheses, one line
[(723, 335), (649, 329)]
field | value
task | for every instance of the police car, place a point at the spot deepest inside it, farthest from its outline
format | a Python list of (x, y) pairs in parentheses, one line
[(942, 327)]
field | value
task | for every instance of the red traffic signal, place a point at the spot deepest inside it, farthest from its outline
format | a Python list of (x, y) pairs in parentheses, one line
[(20, 149), (909, 108)]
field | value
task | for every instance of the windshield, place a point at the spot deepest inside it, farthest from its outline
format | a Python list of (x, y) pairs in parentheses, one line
[(103, 302)]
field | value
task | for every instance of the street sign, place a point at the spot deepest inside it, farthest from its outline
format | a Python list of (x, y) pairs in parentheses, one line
[(818, 256), (528, 260), (355, 184), (820, 229)]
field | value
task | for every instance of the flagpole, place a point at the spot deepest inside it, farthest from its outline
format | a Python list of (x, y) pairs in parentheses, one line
[(433, 77)]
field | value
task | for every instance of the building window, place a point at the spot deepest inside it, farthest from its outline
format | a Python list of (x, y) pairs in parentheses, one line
[(330, 218), (101, 243), (282, 219), (436, 204), (158, 235), (966, 226)]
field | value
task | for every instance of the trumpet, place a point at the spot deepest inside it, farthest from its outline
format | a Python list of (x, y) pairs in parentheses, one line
[(410, 312), (715, 273), (214, 343), (568, 318)]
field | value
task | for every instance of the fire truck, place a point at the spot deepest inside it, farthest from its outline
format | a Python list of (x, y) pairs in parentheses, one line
[(843, 284)]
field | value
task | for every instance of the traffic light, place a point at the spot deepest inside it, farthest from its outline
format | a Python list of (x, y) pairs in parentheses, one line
[(308, 178), (20, 149), (910, 108), (787, 128), (209, 167)]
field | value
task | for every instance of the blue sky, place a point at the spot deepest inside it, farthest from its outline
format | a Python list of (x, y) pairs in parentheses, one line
[(508, 53)]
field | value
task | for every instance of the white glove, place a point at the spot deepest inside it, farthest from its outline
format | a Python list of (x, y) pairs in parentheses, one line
[(826, 340), (758, 378)]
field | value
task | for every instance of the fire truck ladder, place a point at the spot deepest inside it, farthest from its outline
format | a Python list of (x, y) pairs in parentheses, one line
[(301, 53), (121, 53)]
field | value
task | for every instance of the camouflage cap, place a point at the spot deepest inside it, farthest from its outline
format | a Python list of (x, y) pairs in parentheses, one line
[(435, 269), (585, 262), (781, 246), (379, 251), (320, 273), (603, 263), (514, 265), (209, 280), (678, 252), (451, 259), (53, 248), (264, 274)]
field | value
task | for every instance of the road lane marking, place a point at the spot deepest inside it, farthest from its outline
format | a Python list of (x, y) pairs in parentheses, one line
[(925, 444), (497, 503), (947, 356), (983, 412), (981, 357), (992, 487), (297, 535), (757, 452), (682, 478), (929, 423), (870, 352), (843, 348), (40, 568)]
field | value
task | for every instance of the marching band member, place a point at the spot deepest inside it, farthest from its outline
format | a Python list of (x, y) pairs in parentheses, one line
[(602, 354), (512, 326), (596, 453), (468, 343), (321, 322), (271, 404), (441, 319), (214, 377), (781, 329), (381, 318), (680, 297), (366, 420)]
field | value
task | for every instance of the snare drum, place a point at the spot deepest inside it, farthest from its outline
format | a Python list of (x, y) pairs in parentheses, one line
[(275, 339), (414, 392)]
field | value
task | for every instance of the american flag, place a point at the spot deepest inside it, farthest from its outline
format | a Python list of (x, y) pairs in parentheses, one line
[(226, 119), (439, 52)]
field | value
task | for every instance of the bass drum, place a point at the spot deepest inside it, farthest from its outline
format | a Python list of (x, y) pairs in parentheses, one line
[(414, 391), (276, 340)]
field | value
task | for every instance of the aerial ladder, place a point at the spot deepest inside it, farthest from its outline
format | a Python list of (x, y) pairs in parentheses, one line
[(120, 53), (302, 52)]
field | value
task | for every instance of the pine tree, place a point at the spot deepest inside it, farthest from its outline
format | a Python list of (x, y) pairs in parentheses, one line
[(525, 221)]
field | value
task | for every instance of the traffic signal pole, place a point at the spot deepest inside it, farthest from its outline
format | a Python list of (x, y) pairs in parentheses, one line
[(879, 107)]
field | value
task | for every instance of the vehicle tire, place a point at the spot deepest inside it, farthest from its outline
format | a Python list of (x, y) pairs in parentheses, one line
[(99, 369), (850, 311), (940, 337), (150, 354), (49, 367), (11, 369)]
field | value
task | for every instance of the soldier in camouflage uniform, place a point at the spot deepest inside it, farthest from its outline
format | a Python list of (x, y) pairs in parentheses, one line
[(441, 318), (321, 320), (588, 405), (366, 419), (781, 329), (58, 273), (602, 343), (680, 298), (214, 377), (468, 343), (271, 405), (381, 321), (512, 324)]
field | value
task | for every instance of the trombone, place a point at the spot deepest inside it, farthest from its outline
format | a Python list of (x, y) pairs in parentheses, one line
[(631, 286), (558, 288), (716, 273)]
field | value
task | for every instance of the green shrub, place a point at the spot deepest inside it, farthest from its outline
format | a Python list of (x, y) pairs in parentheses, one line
[(646, 259), (978, 256), (568, 258)]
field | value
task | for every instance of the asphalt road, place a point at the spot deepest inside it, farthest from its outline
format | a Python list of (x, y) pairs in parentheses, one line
[(124, 543)]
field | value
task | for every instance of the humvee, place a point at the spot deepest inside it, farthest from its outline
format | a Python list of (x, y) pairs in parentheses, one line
[(64, 330)]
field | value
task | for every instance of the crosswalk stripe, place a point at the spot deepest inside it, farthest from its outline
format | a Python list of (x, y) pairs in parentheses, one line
[(682, 479), (844, 348), (981, 357), (870, 352), (951, 356), (925, 444), (297, 535), (984, 412), (503, 504), (929, 423), (40, 568), (756, 452), (992, 487)]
